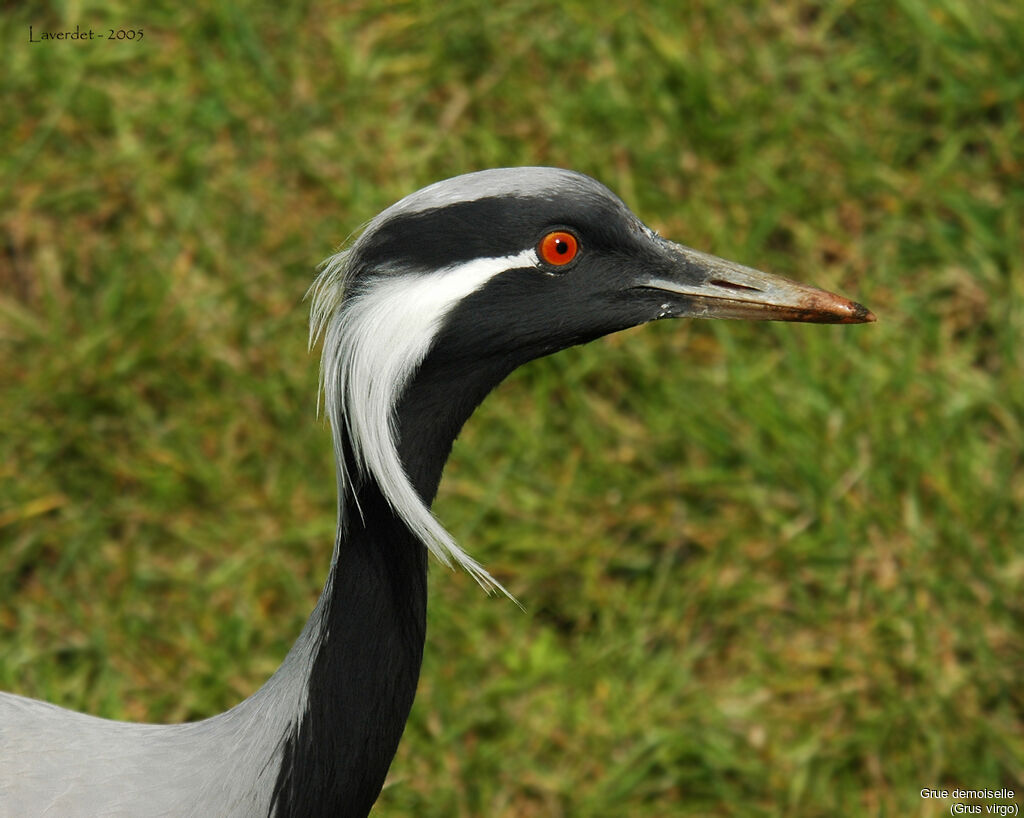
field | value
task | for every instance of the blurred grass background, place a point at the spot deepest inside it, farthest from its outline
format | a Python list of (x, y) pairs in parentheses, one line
[(768, 569)]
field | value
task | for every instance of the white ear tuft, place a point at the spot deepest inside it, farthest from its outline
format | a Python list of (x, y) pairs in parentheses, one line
[(373, 342)]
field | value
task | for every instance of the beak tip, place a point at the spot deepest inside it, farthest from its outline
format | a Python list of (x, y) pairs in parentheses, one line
[(829, 308), (862, 315)]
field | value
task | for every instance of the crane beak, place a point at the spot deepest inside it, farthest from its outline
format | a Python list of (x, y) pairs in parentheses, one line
[(715, 288)]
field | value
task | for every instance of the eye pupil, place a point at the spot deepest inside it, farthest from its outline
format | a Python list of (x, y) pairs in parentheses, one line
[(561, 247)]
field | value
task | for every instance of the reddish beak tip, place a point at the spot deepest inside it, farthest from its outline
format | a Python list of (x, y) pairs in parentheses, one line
[(860, 314)]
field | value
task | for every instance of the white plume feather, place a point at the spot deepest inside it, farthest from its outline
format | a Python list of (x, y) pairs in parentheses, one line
[(373, 342)]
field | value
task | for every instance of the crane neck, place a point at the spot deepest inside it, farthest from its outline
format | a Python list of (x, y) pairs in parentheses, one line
[(368, 629)]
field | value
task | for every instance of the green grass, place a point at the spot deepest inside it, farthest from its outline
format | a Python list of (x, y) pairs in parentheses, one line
[(768, 570)]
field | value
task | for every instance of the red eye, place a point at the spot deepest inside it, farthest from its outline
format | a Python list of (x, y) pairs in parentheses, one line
[(558, 248)]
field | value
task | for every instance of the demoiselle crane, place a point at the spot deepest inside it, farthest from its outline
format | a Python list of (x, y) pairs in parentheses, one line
[(441, 296)]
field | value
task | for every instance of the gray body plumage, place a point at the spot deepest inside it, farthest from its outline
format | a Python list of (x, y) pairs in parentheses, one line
[(56, 762)]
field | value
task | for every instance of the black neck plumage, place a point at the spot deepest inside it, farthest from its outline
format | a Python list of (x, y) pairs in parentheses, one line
[(364, 674), (373, 621)]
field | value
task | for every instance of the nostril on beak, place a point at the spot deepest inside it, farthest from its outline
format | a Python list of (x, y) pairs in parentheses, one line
[(731, 285)]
